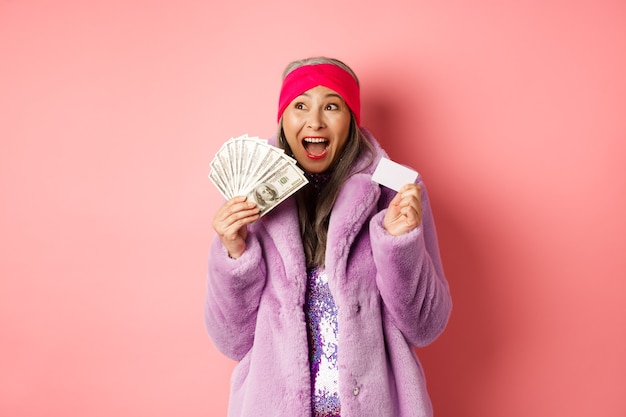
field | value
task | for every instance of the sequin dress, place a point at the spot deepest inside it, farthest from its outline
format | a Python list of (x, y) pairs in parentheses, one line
[(321, 316)]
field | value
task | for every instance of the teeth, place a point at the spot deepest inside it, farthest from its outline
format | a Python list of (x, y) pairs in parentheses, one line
[(315, 140)]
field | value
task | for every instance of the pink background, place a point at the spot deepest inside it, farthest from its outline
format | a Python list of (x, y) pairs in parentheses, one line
[(110, 112)]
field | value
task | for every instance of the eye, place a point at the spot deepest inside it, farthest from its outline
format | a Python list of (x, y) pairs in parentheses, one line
[(300, 106), (332, 106)]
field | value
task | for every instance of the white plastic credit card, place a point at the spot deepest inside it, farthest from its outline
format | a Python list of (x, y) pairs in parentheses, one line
[(393, 175)]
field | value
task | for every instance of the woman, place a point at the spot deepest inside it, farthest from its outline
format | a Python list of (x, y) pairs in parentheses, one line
[(322, 300)]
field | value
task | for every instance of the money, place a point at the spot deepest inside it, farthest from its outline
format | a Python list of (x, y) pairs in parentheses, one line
[(249, 166)]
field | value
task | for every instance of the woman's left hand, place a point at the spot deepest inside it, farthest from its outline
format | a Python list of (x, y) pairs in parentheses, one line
[(405, 210)]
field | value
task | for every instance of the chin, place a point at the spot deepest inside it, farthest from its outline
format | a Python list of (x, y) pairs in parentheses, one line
[(312, 169)]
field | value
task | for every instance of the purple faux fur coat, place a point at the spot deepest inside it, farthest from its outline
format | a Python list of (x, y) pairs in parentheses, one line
[(390, 291)]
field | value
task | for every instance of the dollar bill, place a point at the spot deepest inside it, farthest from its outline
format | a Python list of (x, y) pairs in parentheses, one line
[(277, 186), (250, 166)]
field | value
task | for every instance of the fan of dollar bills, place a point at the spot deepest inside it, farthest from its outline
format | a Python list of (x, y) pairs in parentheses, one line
[(249, 166)]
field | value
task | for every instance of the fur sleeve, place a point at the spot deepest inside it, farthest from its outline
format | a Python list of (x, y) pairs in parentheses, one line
[(233, 292), (410, 277)]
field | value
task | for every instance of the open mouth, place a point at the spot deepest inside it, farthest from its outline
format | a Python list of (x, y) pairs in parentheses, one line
[(315, 147)]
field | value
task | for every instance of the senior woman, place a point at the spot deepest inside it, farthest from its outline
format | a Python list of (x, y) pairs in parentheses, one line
[(322, 301)]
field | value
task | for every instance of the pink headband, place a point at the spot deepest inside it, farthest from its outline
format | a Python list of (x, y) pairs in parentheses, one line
[(328, 75)]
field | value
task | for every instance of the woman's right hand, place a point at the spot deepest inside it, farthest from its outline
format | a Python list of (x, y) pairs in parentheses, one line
[(231, 224)]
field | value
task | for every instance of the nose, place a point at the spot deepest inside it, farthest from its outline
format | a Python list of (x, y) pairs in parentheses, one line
[(316, 120)]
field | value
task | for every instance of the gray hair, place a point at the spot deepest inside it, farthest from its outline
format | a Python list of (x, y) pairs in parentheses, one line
[(316, 60)]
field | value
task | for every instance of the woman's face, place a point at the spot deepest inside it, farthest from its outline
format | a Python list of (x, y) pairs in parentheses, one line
[(316, 125)]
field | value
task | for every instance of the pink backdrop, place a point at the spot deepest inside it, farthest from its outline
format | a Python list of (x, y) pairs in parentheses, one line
[(110, 112)]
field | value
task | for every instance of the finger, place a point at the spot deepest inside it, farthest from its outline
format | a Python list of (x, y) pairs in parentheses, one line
[(233, 206), (236, 204), (411, 216), (240, 216), (231, 217), (411, 189), (237, 230), (409, 201), (411, 207)]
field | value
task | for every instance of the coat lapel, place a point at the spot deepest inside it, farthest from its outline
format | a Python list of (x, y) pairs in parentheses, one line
[(282, 225), (355, 204)]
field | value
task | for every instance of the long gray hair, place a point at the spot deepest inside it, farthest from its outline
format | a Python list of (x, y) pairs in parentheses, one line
[(314, 210)]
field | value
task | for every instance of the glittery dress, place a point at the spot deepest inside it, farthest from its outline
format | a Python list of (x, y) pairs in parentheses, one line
[(321, 316)]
